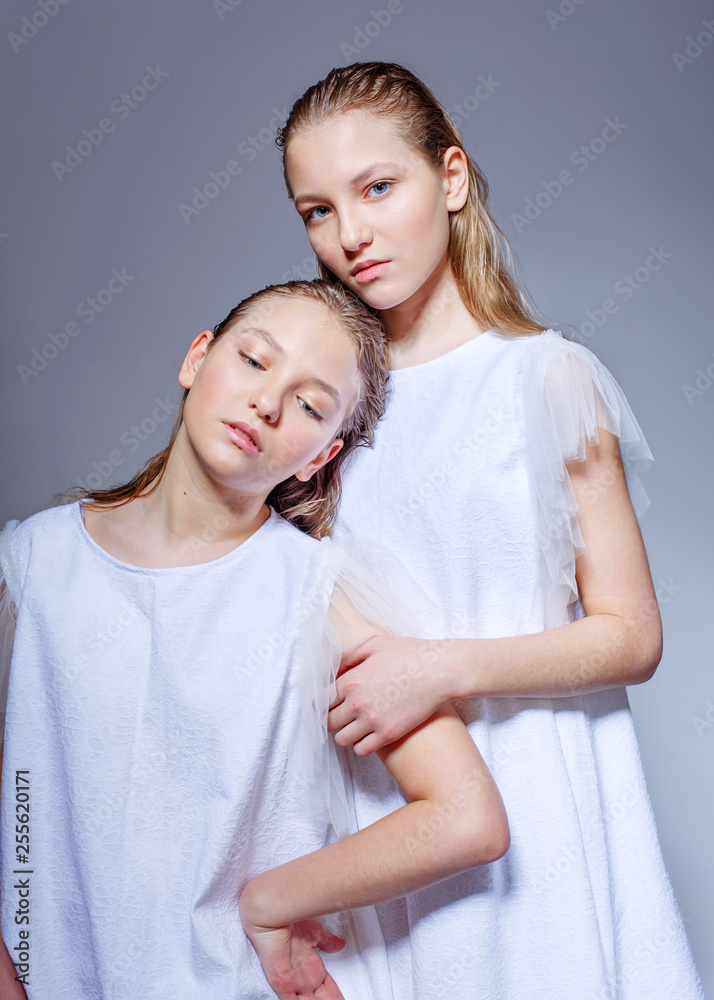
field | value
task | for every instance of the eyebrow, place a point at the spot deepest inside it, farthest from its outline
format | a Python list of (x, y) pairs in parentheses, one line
[(267, 337), (279, 349), (359, 179)]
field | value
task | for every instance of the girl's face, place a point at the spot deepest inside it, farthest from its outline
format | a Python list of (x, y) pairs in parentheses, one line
[(376, 212), (268, 396)]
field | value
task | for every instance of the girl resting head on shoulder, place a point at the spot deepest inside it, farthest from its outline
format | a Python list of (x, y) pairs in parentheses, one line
[(165, 642)]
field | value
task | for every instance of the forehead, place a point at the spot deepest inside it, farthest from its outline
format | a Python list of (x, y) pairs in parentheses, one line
[(303, 329), (343, 144), (293, 312)]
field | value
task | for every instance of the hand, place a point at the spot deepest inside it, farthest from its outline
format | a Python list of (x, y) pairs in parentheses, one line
[(386, 686), (291, 963)]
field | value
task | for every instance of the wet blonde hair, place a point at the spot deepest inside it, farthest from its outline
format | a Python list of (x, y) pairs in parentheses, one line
[(481, 258), (310, 505)]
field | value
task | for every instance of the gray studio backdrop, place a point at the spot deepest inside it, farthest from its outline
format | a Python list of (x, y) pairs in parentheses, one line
[(142, 198)]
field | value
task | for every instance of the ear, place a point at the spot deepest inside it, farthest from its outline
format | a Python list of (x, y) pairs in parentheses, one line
[(456, 178), (192, 362), (323, 458)]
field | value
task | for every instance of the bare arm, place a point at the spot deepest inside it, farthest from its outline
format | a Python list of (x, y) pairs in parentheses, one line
[(619, 642), (451, 791), (454, 820)]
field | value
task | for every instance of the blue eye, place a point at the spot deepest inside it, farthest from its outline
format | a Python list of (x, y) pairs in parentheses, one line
[(309, 410), (251, 362), (309, 216), (381, 184)]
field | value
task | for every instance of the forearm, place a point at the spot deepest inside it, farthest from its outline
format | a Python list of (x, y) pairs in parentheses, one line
[(417, 845), (594, 653)]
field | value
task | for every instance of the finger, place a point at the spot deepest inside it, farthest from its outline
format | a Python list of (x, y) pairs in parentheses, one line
[(351, 734), (339, 717), (326, 696), (329, 990), (336, 696), (370, 743), (339, 692), (353, 655)]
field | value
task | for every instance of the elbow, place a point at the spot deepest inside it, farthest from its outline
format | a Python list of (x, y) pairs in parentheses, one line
[(497, 845), (647, 649), (498, 841), (484, 836), (648, 666)]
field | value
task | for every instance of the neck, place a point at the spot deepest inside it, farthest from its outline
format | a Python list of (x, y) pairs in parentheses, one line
[(431, 322), (188, 519), (191, 512)]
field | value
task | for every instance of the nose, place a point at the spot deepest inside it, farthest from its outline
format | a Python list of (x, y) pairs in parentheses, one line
[(267, 403), (354, 232)]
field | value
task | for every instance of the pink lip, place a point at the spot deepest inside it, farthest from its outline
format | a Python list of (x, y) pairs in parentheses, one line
[(368, 269), (245, 436)]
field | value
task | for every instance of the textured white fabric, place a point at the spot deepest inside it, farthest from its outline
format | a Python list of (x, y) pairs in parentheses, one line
[(158, 714), (467, 485), (353, 574)]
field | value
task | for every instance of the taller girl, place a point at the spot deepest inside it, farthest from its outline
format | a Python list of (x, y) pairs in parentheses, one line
[(504, 475)]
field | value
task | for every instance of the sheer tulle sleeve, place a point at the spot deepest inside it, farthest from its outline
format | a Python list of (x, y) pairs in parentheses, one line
[(568, 396), (9, 599), (350, 601)]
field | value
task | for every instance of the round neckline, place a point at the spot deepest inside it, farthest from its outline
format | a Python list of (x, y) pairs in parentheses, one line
[(234, 554), (448, 355), (442, 357)]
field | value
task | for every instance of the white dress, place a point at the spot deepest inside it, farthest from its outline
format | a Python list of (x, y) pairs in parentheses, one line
[(156, 718), (466, 484)]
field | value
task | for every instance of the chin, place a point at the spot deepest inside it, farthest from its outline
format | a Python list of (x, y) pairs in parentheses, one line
[(377, 298), (387, 300)]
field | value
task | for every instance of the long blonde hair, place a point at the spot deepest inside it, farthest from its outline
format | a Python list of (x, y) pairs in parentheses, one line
[(481, 258), (310, 505)]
